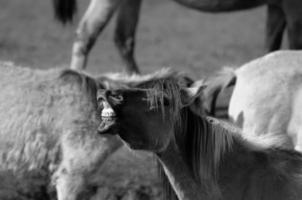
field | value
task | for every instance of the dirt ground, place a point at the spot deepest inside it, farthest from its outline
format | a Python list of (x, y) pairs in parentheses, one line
[(169, 35)]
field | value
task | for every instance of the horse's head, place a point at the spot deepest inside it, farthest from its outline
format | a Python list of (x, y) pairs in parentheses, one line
[(146, 117)]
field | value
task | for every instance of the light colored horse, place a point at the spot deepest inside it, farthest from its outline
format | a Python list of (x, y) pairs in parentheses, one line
[(267, 97), (203, 158), (48, 134), (280, 14)]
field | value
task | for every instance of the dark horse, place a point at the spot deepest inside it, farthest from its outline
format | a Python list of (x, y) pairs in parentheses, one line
[(280, 13), (203, 158)]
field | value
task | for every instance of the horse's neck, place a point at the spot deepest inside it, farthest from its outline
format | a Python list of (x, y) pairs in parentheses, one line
[(227, 143), (237, 165), (181, 179), (220, 5)]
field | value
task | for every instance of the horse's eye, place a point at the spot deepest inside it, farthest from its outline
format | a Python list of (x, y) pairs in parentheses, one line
[(100, 101)]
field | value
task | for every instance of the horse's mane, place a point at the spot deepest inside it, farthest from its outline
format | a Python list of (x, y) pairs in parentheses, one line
[(199, 139), (168, 85), (138, 78), (122, 80), (202, 140)]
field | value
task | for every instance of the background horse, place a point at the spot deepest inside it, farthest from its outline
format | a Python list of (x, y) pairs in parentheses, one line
[(48, 134), (281, 14), (203, 158), (267, 97)]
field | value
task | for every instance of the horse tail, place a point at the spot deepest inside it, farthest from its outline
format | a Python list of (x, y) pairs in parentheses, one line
[(64, 10), (225, 78)]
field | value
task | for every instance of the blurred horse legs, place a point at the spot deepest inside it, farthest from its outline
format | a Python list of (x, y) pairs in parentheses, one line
[(124, 37), (293, 12), (274, 28), (221, 5), (93, 22)]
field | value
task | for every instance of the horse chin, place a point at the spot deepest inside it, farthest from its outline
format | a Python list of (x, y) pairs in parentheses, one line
[(108, 126), (137, 146)]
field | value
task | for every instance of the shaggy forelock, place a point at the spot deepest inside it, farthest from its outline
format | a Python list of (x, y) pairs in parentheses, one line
[(162, 84), (137, 79)]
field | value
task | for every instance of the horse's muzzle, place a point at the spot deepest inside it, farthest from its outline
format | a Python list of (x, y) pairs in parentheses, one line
[(107, 126)]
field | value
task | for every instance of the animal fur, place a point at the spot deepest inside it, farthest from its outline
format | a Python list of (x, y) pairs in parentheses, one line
[(48, 131), (266, 100), (205, 158)]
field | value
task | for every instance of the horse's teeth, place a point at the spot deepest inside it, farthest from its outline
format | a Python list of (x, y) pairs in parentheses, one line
[(108, 113)]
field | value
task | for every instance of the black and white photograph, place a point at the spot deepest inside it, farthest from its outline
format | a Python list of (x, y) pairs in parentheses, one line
[(150, 99)]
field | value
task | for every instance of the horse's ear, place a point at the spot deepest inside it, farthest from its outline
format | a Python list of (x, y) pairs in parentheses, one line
[(79, 79), (189, 94)]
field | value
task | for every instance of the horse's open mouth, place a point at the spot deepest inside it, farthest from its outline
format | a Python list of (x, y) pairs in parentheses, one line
[(107, 125)]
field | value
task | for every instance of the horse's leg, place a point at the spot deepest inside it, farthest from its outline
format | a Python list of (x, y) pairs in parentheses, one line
[(93, 22), (124, 38), (81, 162), (274, 27), (293, 10)]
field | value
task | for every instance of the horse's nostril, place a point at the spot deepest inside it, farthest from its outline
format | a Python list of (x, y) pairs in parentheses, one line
[(118, 97)]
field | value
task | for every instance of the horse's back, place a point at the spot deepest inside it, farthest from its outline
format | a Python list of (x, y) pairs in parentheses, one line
[(263, 96), (285, 61), (24, 91)]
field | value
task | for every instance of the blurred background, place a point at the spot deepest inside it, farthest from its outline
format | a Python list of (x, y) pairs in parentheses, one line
[(168, 35)]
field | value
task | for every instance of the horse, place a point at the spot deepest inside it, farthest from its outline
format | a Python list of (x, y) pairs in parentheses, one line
[(280, 14), (48, 134), (203, 157), (266, 99)]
